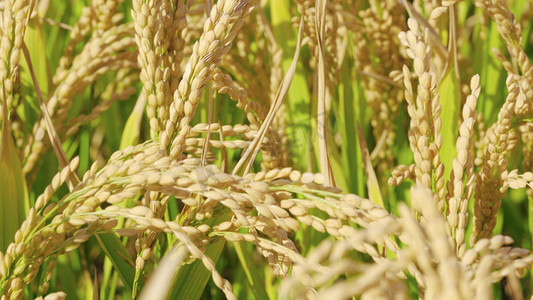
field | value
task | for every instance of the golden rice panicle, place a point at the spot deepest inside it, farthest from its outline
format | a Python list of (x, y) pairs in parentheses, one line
[(219, 281), (174, 49), (106, 14), (424, 134), (280, 259), (120, 89), (492, 260), (489, 185), (482, 278), (518, 181), (333, 24), (16, 274), (152, 20), (276, 55), (330, 260), (251, 73), (145, 240), (254, 73), (53, 296), (64, 232), (99, 16), (381, 24), (80, 30), (101, 54), (56, 182), (224, 84), (177, 45), (194, 144), (157, 205), (144, 217), (276, 154), (441, 248), (480, 130), (14, 17), (238, 65), (460, 188), (332, 41), (306, 9), (510, 31), (401, 173), (330, 46), (220, 28), (527, 149)]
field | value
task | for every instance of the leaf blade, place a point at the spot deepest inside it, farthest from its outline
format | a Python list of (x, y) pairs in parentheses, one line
[(116, 253)]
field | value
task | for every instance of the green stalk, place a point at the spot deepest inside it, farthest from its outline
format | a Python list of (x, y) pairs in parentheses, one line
[(253, 273), (14, 200)]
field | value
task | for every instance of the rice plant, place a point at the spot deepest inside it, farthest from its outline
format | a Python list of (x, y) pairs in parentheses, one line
[(246, 149)]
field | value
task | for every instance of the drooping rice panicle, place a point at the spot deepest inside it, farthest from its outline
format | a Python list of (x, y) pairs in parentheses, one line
[(220, 29), (424, 135), (460, 189), (489, 186)]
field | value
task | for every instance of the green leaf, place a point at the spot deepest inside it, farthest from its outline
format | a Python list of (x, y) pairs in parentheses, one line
[(160, 282), (118, 255), (450, 98), (14, 200), (372, 183), (29, 109), (192, 278), (34, 40), (67, 273), (298, 102), (132, 129), (255, 280), (353, 109), (491, 72)]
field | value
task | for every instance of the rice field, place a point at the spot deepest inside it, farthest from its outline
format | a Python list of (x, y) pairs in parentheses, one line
[(266, 149)]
